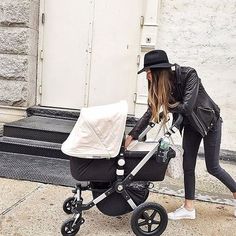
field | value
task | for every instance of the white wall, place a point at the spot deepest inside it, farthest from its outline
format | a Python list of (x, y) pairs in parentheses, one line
[(202, 34)]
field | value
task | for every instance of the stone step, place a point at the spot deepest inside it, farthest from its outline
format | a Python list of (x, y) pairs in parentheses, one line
[(61, 113), (48, 125), (40, 128), (31, 147)]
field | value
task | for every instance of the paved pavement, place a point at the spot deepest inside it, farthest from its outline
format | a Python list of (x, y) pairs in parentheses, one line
[(31, 208)]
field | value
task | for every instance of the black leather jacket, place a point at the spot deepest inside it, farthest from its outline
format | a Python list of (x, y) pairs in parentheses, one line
[(196, 106)]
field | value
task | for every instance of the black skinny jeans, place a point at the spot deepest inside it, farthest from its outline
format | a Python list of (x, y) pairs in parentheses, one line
[(191, 143)]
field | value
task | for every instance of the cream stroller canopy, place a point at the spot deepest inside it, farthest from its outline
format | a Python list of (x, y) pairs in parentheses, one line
[(98, 132)]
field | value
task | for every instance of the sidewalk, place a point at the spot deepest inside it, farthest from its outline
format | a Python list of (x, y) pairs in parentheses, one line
[(30, 208)]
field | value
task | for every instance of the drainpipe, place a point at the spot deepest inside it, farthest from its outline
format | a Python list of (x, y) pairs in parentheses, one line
[(89, 52)]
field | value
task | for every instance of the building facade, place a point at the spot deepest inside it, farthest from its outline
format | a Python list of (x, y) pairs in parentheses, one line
[(81, 53), (18, 57)]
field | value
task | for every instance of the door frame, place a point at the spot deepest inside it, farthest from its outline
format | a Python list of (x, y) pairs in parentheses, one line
[(40, 52)]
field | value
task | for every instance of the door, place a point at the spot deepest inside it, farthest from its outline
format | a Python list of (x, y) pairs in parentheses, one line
[(90, 52), (65, 39), (116, 45)]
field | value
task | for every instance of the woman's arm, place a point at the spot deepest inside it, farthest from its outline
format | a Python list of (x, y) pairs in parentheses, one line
[(141, 124), (190, 94)]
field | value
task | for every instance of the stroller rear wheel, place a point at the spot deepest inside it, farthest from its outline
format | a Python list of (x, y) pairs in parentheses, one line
[(68, 205), (149, 219)]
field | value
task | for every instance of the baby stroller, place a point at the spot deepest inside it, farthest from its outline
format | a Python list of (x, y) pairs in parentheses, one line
[(119, 179)]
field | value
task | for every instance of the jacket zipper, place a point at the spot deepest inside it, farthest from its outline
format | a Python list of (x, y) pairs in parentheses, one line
[(206, 109)]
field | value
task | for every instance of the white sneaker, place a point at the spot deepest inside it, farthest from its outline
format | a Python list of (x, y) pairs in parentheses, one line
[(182, 213)]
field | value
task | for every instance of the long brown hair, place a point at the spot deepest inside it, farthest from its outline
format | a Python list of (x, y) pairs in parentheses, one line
[(159, 93)]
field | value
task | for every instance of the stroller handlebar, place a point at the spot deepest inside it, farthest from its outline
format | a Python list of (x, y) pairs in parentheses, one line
[(151, 124), (149, 127)]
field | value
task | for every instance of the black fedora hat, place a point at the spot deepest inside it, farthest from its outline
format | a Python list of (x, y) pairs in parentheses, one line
[(156, 59)]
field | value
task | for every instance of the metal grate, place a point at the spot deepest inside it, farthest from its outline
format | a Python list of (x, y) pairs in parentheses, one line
[(35, 168)]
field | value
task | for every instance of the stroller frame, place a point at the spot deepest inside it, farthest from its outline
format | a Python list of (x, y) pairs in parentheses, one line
[(75, 204)]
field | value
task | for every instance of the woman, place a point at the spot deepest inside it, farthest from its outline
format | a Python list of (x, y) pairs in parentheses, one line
[(181, 91)]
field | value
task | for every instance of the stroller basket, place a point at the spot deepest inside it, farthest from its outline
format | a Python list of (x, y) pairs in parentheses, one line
[(115, 204)]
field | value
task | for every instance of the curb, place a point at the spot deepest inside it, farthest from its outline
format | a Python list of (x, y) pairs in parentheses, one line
[(225, 155)]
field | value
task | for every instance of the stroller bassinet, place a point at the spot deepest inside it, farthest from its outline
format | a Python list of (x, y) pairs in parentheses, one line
[(118, 178), (104, 170)]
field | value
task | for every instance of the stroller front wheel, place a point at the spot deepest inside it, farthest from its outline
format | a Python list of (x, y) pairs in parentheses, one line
[(70, 228), (68, 204), (149, 219)]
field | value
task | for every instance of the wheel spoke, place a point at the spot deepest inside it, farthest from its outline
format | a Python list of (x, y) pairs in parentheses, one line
[(153, 215), (149, 228), (155, 222), (146, 216), (142, 223)]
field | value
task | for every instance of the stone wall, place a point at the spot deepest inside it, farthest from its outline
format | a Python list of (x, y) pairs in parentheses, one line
[(202, 34), (18, 52)]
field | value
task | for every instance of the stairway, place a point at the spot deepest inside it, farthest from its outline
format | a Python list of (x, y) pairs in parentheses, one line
[(42, 132)]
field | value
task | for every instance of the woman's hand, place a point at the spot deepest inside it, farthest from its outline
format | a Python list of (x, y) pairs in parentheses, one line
[(128, 140)]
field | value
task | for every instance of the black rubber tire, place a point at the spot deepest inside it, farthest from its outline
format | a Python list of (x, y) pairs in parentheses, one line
[(67, 205), (140, 213), (66, 228)]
